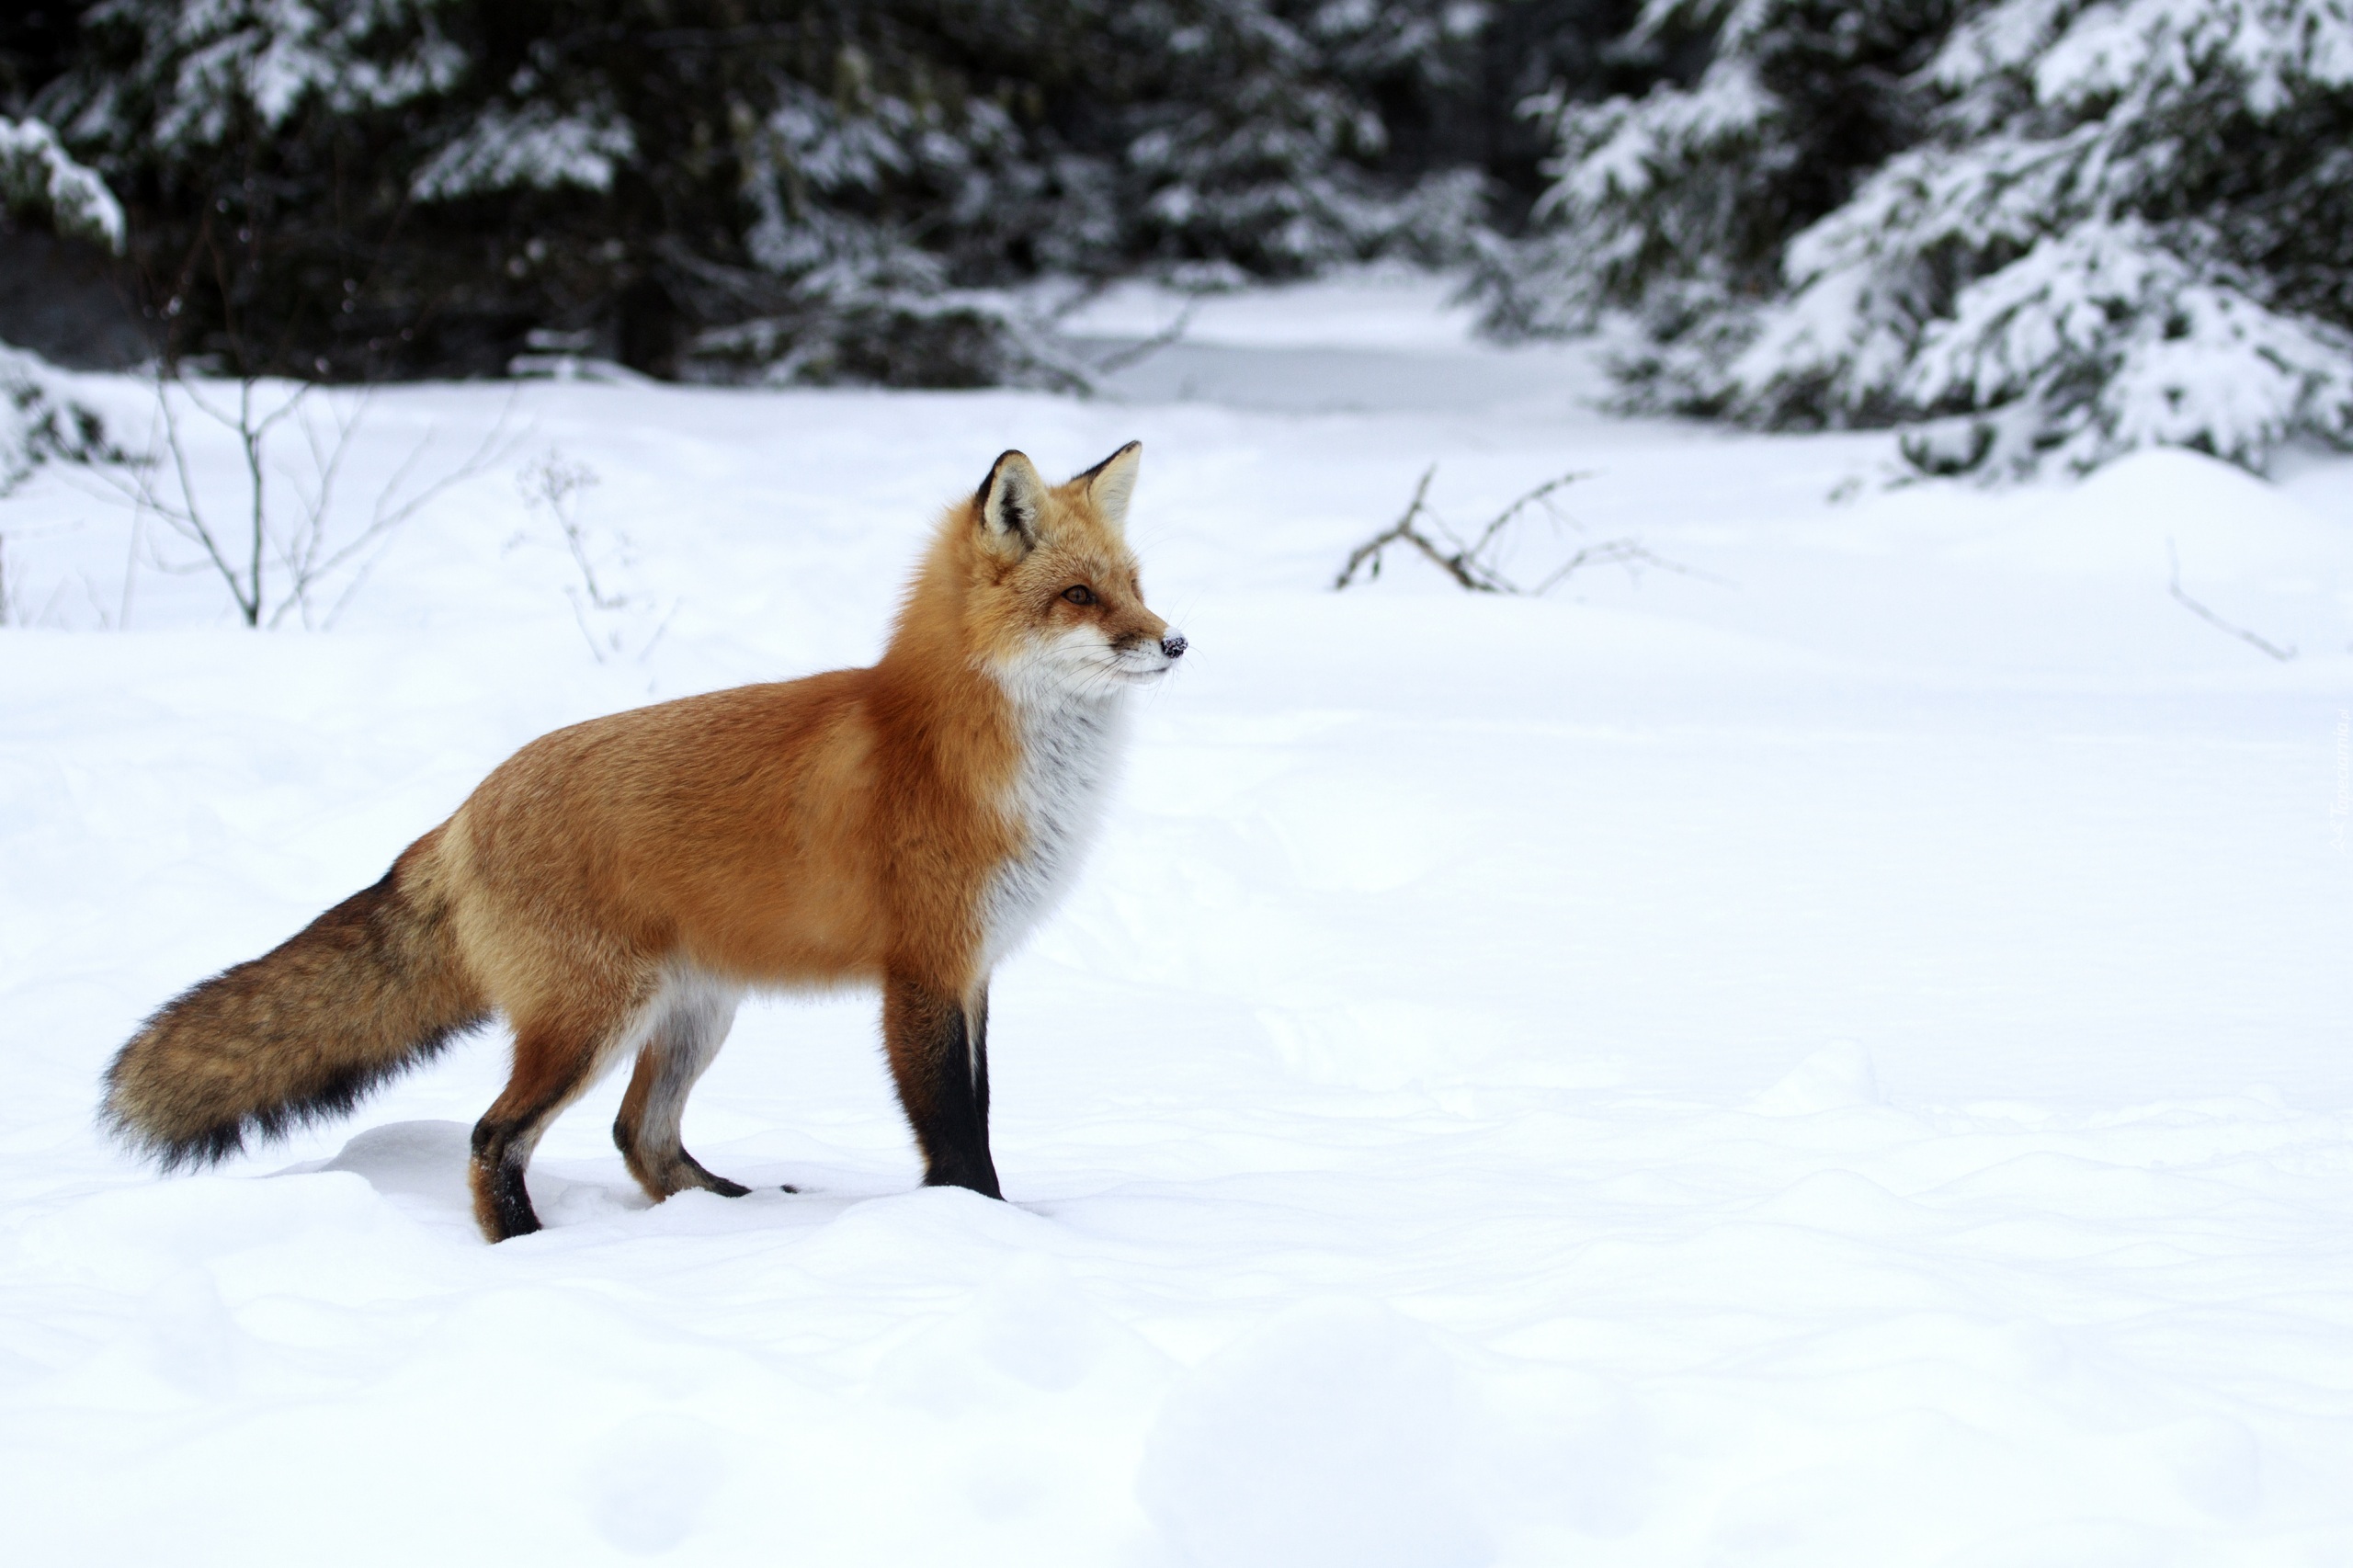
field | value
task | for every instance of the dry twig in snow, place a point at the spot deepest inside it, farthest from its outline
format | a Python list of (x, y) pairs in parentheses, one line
[(2210, 618), (1472, 564)]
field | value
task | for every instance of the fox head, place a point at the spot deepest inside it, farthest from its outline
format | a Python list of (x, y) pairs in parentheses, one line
[(1053, 599)]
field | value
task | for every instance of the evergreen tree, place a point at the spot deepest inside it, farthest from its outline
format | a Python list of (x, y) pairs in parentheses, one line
[(2042, 231), (1262, 151), (356, 188), (41, 185), (41, 182)]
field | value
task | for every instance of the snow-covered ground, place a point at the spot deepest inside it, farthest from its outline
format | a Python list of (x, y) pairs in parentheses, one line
[(1842, 1054)]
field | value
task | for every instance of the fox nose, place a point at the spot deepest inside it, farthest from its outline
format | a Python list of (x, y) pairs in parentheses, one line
[(1173, 645)]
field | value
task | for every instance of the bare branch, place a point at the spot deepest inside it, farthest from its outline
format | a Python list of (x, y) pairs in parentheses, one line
[(1624, 552), (1539, 495), (493, 448), (1369, 550), (613, 624), (327, 464), (389, 514), (251, 438), (190, 515), (2210, 618), (343, 599), (1471, 564), (292, 514)]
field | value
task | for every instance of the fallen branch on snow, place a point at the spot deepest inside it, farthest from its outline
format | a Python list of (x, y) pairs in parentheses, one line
[(1471, 564), (2210, 618)]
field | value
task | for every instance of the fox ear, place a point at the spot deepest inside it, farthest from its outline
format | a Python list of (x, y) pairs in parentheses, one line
[(1012, 504), (1110, 483)]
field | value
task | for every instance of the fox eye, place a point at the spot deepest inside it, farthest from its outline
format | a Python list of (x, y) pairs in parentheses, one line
[(1079, 593)]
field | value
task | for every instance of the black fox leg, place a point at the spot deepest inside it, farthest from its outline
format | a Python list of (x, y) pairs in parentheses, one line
[(682, 1046), (938, 1058), (503, 1147), (976, 1019)]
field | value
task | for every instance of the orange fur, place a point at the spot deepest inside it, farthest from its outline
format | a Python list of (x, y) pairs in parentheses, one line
[(611, 886)]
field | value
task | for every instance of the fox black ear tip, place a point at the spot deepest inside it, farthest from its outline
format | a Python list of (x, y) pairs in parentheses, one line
[(1129, 452), (998, 471)]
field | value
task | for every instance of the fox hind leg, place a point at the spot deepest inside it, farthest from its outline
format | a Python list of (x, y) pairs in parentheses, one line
[(680, 1049), (557, 1056)]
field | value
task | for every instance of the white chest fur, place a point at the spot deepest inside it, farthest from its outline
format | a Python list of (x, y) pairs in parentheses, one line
[(1071, 749)]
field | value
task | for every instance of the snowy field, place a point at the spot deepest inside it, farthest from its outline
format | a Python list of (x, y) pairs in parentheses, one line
[(1838, 1054)]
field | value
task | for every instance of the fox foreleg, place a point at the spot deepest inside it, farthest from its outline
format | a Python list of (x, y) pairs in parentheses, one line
[(938, 1051)]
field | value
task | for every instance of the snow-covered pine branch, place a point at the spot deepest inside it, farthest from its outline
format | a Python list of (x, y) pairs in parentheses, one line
[(40, 424), (37, 175), (40, 180), (2053, 231), (199, 72), (720, 189)]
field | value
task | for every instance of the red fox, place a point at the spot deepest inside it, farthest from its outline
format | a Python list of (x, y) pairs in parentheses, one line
[(616, 886)]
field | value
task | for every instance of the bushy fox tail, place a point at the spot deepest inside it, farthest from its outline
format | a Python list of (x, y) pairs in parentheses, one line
[(368, 990)]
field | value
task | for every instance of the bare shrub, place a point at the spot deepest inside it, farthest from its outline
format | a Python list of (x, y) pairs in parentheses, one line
[(282, 539), (616, 623)]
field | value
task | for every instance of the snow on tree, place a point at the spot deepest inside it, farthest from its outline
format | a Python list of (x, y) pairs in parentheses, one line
[(207, 67), (537, 147), (38, 423), (40, 183), (38, 178), (2038, 232), (248, 140), (353, 188), (1263, 154)]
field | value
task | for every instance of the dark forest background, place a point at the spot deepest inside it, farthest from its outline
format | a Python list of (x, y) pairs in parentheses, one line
[(365, 190), (2034, 233)]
